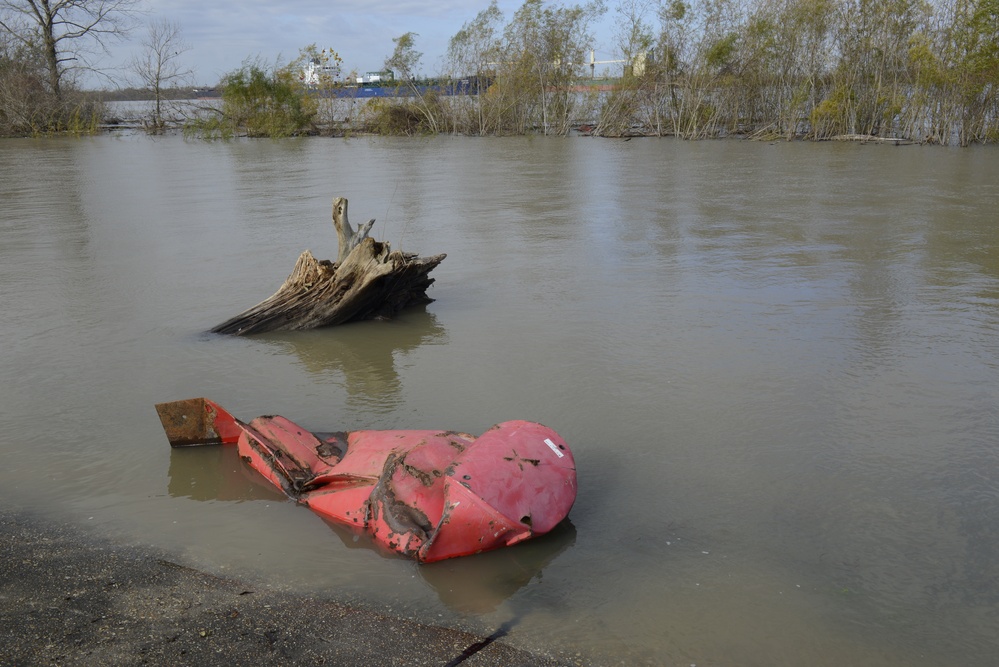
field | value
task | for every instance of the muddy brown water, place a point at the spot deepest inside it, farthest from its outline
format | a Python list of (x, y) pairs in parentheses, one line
[(777, 366)]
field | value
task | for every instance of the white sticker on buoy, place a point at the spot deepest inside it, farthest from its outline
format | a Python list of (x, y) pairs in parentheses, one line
[(554, 447)]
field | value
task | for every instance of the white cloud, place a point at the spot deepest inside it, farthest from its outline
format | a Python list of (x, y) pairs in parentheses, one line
[(224, 33)]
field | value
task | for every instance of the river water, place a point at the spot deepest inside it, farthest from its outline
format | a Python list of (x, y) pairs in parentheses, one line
[(777, 366)]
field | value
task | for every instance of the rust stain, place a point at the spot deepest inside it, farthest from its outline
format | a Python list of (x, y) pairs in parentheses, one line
[(425, 478)]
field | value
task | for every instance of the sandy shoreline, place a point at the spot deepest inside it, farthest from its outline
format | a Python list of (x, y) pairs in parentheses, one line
[(70, 600)]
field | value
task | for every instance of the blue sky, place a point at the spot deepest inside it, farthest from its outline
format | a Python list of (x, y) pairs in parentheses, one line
[(222, 34)]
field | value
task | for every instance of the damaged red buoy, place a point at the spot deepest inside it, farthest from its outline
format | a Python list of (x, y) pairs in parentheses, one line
[(428, 495)]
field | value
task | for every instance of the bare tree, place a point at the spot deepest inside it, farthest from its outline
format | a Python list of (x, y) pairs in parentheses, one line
[(67, 32), (158, 66)]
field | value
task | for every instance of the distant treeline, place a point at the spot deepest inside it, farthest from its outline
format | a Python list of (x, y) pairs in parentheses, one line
[(811, 69), (815, 69), (915, 70)]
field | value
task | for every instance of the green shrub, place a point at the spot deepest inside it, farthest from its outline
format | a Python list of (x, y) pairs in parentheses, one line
[(257, 103), (407, 117)]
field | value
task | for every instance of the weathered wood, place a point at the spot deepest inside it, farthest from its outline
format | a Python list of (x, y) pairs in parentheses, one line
[(369, 280)]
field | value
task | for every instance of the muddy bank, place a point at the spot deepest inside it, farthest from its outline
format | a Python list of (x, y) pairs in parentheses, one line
[(68, 599)]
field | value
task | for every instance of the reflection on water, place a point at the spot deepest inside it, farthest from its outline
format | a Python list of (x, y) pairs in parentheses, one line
[(216, 473), (479, 584), (365, 356)]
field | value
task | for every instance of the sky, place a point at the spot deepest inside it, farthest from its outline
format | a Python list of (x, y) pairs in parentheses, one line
[(222, 34)]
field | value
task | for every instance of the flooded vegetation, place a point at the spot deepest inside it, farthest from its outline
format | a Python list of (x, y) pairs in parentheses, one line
[(900, 70), (766, 69)]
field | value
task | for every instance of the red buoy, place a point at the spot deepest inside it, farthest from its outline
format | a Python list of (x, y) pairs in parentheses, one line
[(428, 495)]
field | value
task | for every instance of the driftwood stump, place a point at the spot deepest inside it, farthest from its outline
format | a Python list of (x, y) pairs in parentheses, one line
[(369, 280)]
